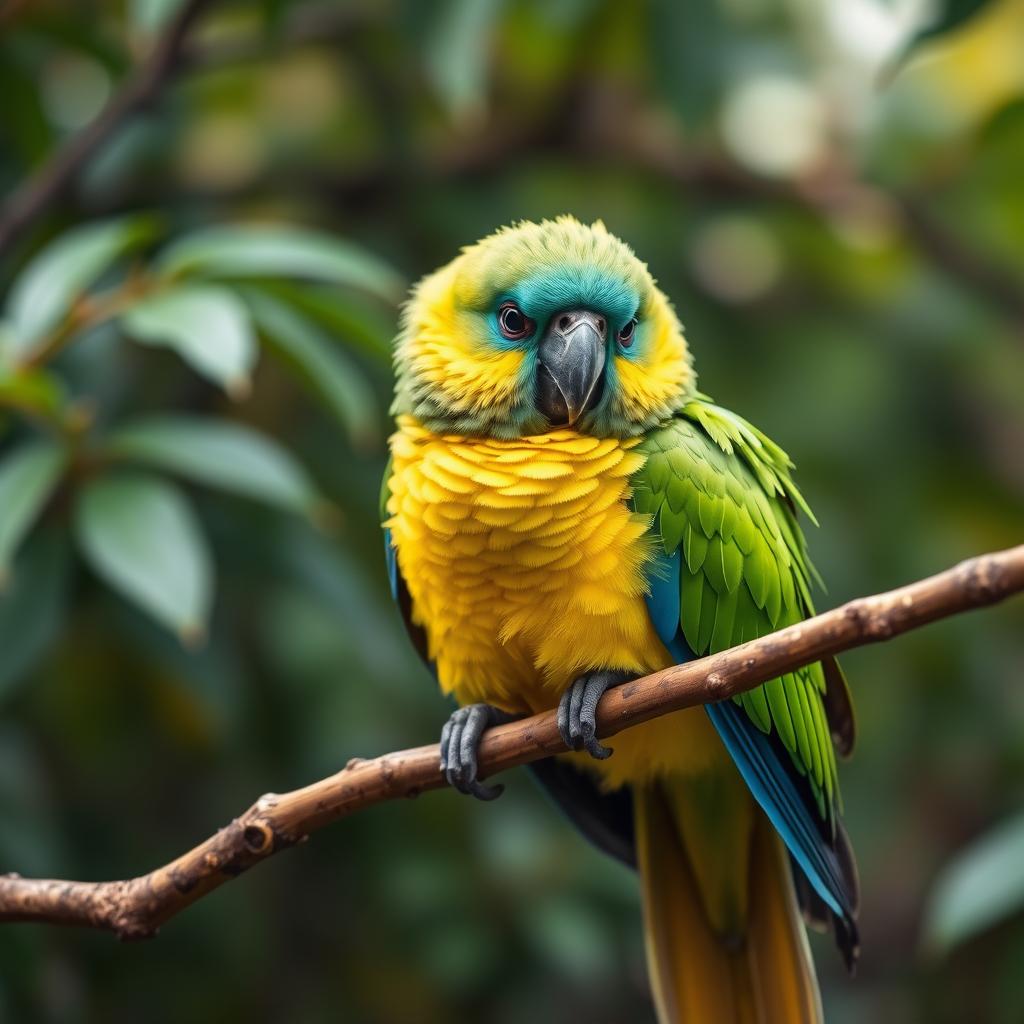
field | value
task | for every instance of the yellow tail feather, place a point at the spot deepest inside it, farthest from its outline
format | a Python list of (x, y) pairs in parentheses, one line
[(760, 975)]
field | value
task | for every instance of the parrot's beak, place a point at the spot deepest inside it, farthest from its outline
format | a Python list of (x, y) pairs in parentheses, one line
[(570, 365)]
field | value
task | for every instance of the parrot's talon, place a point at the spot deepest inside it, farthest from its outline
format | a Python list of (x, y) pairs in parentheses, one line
[(577, 711), (592, 745), (460, 740), (484, 792)]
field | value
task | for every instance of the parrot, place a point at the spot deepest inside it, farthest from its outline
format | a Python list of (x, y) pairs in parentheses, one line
[(563, 511)]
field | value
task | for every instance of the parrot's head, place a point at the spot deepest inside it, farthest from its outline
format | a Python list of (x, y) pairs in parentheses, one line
[(537, 327)]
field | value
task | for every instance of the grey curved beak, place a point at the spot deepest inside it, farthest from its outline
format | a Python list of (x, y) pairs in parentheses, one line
[(570, 365)]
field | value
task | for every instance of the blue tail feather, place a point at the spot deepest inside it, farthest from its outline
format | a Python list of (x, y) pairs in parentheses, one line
[(768, 776)]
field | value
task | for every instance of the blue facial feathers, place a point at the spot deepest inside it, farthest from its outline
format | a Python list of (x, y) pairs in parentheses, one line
[(547, 292)]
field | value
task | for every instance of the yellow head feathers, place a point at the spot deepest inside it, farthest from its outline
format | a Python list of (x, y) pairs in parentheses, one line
[(538, 326)]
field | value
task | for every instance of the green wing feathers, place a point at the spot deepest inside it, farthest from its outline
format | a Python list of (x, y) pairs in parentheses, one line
[(720, 492)]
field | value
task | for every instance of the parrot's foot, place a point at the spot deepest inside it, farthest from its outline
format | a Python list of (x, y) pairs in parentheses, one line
[(577, 711), (460, 739)]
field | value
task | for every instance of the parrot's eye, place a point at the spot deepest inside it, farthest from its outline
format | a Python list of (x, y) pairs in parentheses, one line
[(625, 336), (514, 324)]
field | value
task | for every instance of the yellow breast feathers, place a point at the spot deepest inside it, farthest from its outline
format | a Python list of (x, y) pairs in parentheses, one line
[(522, 559)]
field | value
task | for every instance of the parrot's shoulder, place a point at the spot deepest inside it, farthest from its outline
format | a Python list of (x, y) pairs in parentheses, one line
[(712, 446), (721, 493)]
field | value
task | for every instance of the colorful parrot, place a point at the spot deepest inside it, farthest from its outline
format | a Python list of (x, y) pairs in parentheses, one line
[(564, 511)]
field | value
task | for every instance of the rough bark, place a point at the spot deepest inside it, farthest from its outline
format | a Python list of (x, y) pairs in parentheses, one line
[(135, 908)]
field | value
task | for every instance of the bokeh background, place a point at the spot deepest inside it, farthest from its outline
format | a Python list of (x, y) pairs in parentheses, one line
[(193, 418)]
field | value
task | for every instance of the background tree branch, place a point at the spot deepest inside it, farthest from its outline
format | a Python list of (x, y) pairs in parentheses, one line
[(38, 193), (580, 123), (135, 908)]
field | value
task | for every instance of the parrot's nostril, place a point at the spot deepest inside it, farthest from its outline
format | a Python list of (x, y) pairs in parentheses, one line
[(600, 324), (563, 323)]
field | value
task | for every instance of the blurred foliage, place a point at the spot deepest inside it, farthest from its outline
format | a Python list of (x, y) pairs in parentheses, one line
[(137, 531), (194, 375), (984, 885)]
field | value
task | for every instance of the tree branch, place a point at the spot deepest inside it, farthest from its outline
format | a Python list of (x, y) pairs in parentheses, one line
[(136, 907), (38, 193)]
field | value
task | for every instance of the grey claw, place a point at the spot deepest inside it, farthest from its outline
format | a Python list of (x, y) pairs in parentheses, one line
[(563, 717), (577, 712), (484, 792), (446, 734), (453, 769), (593, 746), (460, 740), (577, 692)]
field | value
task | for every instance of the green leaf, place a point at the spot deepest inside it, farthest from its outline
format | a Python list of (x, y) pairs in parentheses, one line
[(208, 326), (223, 455), (273, 251), (33, 391), (61, 272), (28, 477), (458, 54), (32, 607), (141, 536), (336, 380), (981, 887), (355, 320)]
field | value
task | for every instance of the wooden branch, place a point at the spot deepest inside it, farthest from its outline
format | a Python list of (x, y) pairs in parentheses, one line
[(38, 193), (136, 907)]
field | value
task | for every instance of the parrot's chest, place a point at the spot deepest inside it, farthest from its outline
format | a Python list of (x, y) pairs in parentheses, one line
[(523, 560)]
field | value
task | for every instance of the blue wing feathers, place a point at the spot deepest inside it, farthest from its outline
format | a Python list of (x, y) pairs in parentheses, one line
[(664, 594), (400, 593), (772, 786), (767, 775), (391, 557)]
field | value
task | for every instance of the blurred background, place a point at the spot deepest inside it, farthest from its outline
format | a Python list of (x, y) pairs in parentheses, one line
[(200, 296)]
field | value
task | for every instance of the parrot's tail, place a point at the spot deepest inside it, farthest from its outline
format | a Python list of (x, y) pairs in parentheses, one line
[(753, 966)]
